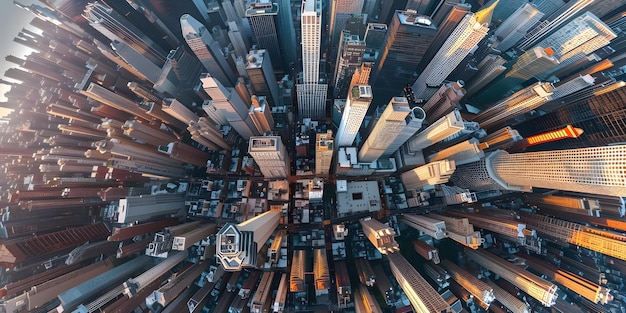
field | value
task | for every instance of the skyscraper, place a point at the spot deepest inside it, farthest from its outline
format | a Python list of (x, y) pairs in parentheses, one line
[(340, 11), (261, 75), (594, 170), (472, 29), (444, 101), (117, 28), (446, 19), (408, 36), (433, 173), (227, 107), (488, 69), (563, 14), (270, 154), (387, 128), (578, 38), (516, 25), (261, 115), (312, 87), (530, 64), (324, 149), (519, 103), (263, 18), (287, 34), (357, 104), (600, 116), (349, 58), (207, 50), (237, 245)]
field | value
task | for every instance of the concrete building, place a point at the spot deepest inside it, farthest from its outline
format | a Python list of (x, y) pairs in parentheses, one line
[(354, 111), (237, 245), (349, 58), (386, 129), (207, 50), (519, 103), (324, 150), (357, 197), (407, 38), (471, 30), (270, 154), (340, 12), (380, 235), (410, 154), (226, 107), (516, 25), (312, 87), (263, 19), (589, 170), (433, 173), (262, 79), (261, 115)]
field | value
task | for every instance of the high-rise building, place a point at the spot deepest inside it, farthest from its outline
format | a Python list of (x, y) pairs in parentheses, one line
[(519, 103), (287, 34), (470, 30), (261, 115), (515, 26), (408, 36), (591, 170), (340, 12), (552, 21), (530, 64), (467, 151), (324, 149), (410, 154), (380, 235), (354, 111), (386, 129), (375, 35), (227, 107), (599, 116), (116, 27), (263, 18), (237, 245), (444, 101), (270, 154), (349, 58), (446, 19), (240, 42), (578, 38), (312, 87), (207, 50), (261, 75), (488, 69), (433, 173), (412, 124)]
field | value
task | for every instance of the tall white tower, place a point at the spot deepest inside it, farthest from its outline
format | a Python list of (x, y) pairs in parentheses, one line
[(471, 30), (311, 90), (387, 128), (357, 103), (597, 170)]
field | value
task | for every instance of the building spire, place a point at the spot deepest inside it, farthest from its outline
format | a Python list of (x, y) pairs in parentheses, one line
[(484, 16)]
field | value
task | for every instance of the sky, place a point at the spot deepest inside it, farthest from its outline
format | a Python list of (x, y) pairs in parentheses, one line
[(12, 20)]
